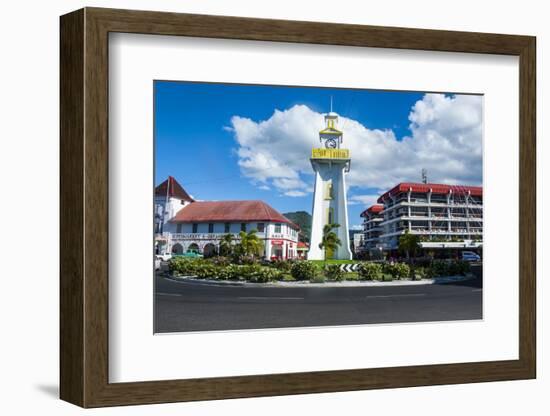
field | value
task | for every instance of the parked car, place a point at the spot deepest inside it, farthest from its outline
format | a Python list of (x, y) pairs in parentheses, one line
[(164, 256), (470, 256), (191, 254)]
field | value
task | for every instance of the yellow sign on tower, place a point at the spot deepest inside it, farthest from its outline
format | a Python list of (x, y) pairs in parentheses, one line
[(317, 153)]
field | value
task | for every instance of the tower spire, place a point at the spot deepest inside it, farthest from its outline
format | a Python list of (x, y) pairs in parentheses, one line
[(331, 103)]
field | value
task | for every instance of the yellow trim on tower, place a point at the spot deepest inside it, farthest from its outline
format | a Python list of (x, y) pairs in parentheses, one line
[(318, 153), (328, 190), (331, 130)]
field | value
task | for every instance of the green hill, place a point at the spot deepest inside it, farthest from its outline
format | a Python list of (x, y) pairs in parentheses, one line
[(303, 219)]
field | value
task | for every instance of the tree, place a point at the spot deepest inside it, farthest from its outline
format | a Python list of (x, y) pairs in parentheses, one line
[(409, 244), (226, 245), (251, 244), (303, 220), (330, 239)]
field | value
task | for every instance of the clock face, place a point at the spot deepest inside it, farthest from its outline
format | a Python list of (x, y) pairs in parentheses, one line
[(330, 144)]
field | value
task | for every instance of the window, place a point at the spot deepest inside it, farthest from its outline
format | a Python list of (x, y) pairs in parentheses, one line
[(178, 228), (243, 226), (195, 228), (226, 227), (210, 228), (278, 228), (261, 227)]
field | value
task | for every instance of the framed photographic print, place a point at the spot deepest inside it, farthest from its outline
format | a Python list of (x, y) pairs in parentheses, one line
[(255, 207)]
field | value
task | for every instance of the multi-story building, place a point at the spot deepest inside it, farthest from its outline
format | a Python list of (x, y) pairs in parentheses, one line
[(170, 197), (444, 216), (357, 242), (184, 224), (372, 217)]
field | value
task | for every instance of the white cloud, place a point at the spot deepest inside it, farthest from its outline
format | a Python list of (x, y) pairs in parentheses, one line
[(295, 193), (445, 138), (367, 200)]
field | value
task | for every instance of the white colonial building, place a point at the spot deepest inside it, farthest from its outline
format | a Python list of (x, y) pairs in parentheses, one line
[(184, 224), (330, 165)]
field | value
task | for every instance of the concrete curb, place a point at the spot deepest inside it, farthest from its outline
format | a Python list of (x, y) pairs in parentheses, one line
[(346, 283)]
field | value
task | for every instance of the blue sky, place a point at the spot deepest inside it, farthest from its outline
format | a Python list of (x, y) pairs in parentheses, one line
[(211, 137)]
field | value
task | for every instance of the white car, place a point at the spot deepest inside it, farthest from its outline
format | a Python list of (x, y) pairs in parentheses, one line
[(164, 256), (470, 256)]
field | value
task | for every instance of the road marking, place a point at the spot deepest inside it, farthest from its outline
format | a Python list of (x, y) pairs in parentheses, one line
[(396, 296), (169, 294), (270, 297)]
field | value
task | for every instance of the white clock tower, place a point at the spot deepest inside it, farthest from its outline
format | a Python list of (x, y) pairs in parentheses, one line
[(330, 163)]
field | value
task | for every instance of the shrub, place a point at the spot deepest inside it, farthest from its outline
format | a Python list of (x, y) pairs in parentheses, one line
[(370, 271), (397, 270), (429, 273), (448, 268), (318, 278), (206, 270), (440, 268), (282, 265), (286, 277), (304, 270), (231, 272), (334, 272), (258, 274), (248, 260), (351, 276), (221, 261), (418, 273), (458, 267), (183, 266), (248, 272)]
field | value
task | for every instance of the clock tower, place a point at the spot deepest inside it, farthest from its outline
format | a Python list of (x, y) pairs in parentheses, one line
[(330, 163)]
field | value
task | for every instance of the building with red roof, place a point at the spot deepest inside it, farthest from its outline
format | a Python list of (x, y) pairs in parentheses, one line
[(444, 216), (302, 250), (170, 188), (372, 218), (170, 197), (200, 225)]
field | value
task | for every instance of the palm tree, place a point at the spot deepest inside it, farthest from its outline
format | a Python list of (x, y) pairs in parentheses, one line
[(409, 244), (330, 239), (226, 245), (251, 244)]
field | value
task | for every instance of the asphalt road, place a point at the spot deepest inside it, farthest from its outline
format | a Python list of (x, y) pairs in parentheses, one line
[(186, 306)]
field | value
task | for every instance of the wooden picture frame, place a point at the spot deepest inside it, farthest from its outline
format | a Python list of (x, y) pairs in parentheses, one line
[(84, 207)]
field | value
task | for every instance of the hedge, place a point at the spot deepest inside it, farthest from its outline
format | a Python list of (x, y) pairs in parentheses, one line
[(370, 271), (218, 268), (334, 272), (304, 270)]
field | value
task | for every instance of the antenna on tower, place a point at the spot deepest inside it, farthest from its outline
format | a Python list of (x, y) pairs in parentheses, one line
[(331, 103), (424, 176)]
